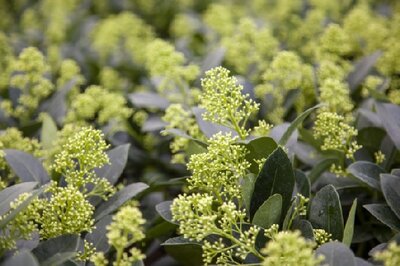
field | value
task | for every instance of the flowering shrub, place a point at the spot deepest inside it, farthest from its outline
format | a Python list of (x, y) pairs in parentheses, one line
[(189, 132)]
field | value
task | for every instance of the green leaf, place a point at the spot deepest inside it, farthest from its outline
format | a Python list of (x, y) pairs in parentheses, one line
[(326, 212), (148, 100), (48, 134), (259, 148), (98, 236), (361, 70), (21, 207), (390, 117), (57, 250), (269, 212), (303, 185), (184, 251), (366, 172), (383, 213), (164, 210), (208, 128), (391, 191), (118, 158), (336, 254), (276, 177), (9, 194), (349, 228), (247, 188), (118, 199), (320, 168), (23, 257), (26, 167), (296, 123)]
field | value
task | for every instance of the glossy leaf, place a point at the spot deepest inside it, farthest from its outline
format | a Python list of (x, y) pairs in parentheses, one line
[(164, 210), (259, 148), (23, 257), (9, 194)]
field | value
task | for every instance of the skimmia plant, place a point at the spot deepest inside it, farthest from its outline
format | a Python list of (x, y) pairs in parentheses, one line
[(187, 132)]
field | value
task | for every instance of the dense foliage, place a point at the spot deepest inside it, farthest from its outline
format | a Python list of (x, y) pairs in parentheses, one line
[(182, 132)]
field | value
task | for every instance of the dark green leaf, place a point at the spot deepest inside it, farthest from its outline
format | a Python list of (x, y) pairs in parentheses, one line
[(118, 199), (57, 250), (9, 194), (269, 212), (349, 228), (390, 117), (367, 173), (303, 185), (391, 191), (148, 100), (23, 257), (118, 158), (326, 212), (336, 254), (304, 227), (383, 213), (295, 124), (184, 251), (259, 148), (320, 168), (276, 177), (26, 167), (48, 135)]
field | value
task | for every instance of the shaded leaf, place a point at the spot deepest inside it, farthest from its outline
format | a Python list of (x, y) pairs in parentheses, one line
[(326, 212), (184, 251), (383, 213), (303, 185), (320, 168), (304, 227), (26, 167), (269, 212)]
